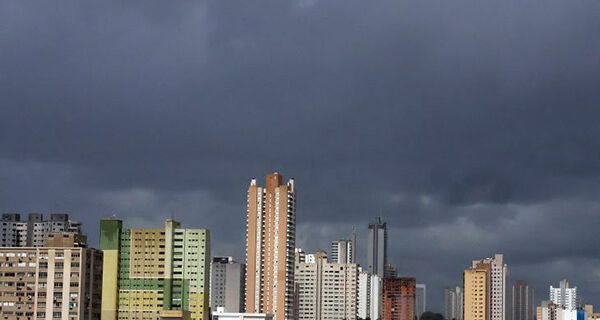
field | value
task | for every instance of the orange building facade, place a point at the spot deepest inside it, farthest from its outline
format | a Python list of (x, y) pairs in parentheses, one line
[(398, 298), (271, 240)]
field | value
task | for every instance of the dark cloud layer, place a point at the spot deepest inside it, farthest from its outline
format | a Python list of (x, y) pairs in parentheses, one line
[(471, 126)]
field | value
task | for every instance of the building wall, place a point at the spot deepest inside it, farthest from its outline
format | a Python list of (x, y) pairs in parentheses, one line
[(398, 299), (50, 283), (270, 238)]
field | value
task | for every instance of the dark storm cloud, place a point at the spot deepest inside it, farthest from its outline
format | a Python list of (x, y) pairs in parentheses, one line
[(471, 126)]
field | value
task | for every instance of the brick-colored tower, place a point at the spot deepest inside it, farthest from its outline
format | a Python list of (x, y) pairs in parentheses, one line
[(398, 298), (271, 239)]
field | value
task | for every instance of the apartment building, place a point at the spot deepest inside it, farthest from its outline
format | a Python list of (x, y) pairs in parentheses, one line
[(60, 281), (158, 273), (326, 291), (33, 231)]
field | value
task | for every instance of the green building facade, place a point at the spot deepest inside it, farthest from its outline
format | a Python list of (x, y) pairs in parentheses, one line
[(152, 273)]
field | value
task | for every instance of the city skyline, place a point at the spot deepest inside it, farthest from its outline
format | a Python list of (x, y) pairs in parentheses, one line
[(467, 126)]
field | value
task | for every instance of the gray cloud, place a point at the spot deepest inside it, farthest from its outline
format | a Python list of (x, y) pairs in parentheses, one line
[(471, 126)]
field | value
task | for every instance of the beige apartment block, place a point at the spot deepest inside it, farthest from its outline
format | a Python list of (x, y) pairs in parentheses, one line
[(326, 291), (51, 282)]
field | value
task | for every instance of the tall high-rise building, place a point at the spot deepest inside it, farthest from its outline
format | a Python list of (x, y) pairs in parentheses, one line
[(33, 231), (420, 299), (398, 299), (227, 284), (377, 247), (154, 273), (271, 237), (369, 295), (326, 290), (60, 281), (343, 251), (476, 296), (564, 296), (497, 284), (522, 301), (453, 303)]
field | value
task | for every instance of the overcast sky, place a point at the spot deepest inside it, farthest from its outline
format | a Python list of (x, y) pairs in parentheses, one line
[(472, 127)]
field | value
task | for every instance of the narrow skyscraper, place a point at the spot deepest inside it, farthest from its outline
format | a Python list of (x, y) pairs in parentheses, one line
[(271, 237), (377, 247), (453, 303), (420, 300), (522, 301)]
